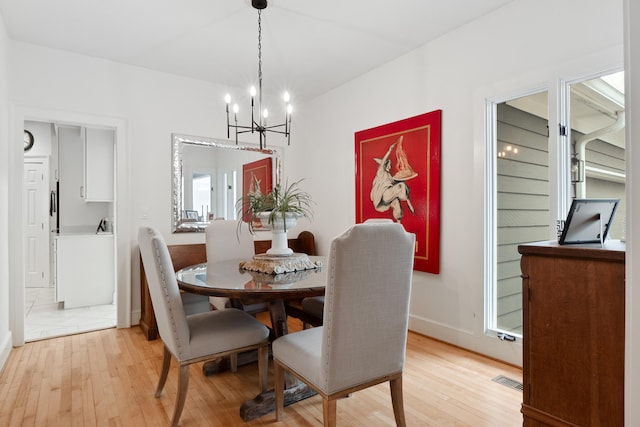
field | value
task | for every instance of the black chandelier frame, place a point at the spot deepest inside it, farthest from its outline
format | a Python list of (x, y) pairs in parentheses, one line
[(258, 121)]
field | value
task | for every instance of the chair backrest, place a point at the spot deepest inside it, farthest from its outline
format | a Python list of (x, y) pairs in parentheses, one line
[(224, 242), (366, 307), (164, 291)]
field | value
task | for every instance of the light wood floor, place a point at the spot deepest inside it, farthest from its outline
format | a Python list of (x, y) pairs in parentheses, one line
[(108, 378)]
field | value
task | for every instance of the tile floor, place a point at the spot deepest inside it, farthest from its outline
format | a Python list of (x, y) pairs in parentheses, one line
[(45, 319)]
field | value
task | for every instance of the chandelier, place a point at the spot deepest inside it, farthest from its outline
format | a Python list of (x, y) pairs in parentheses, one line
[(259, 125)]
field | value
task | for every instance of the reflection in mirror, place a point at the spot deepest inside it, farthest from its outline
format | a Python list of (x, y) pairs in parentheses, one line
[(203, 193), (207, 179)]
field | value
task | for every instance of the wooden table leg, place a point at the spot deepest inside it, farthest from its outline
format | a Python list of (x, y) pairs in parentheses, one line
[(294, 390), (223, 364), (265, 403), (278, 318)]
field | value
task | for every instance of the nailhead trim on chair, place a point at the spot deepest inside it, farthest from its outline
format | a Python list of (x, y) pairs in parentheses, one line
[(329, 309), (166, 293)]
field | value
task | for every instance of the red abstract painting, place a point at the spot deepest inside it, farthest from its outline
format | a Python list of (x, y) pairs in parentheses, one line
[(256, 178), (398, 177)]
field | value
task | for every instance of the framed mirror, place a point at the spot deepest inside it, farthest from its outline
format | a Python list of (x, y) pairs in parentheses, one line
[(207, 178)]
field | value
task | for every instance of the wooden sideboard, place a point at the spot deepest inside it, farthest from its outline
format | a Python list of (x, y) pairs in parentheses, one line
[(573, 334), (190, 254)]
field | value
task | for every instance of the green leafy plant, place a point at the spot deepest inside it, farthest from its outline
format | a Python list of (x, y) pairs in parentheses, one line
[(281, 201)]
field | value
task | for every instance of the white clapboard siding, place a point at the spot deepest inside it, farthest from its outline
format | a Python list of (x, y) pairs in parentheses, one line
[(508, 270), (609, 158), (508, 252), (519, 235), (601, 189), (512, 286), (522, 201), (602, 155)]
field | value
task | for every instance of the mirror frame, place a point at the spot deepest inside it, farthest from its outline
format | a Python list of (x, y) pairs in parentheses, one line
[(179, 141)]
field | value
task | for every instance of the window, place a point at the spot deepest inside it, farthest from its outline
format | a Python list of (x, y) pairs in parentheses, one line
[(521, 199), (521, 186), (598, 142), (202, 194)]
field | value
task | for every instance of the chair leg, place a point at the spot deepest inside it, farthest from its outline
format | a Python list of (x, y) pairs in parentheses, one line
[(329, 412), (397, 401), (166, 361), (233, 362), (279, 390), (263, 366), (183, 384)]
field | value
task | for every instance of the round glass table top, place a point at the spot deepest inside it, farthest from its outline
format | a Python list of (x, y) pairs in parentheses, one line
[(226, 278)]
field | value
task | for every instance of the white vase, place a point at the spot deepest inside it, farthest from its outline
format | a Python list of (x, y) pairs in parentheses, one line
[(279, 241)]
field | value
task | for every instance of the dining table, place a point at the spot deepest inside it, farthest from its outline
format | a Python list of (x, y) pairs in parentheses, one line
[(228, 279)]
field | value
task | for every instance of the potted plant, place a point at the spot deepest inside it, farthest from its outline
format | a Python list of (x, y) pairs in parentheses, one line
[(278, 210)]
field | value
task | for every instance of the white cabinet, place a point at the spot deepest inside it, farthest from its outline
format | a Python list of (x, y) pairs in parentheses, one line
[(85, 269), (98, 165)]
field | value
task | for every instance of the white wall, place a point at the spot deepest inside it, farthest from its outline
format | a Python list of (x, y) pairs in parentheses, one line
[(522, 45), (632, 331), (5, 334), (43, 136)]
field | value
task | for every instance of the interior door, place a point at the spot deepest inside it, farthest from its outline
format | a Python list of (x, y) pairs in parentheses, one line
[(36, 178)]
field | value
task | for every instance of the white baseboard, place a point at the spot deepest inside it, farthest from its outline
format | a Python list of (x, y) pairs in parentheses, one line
[(438, 330), (135, 317), (509, 352), (5, 349)]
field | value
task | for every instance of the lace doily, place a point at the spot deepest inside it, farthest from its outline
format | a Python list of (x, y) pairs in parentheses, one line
[(273, 264)]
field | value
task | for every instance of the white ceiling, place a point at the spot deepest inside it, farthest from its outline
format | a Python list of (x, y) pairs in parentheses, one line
[(309, 47)]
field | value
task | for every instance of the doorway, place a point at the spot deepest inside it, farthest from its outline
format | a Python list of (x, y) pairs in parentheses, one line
[(57, 299), (122, 211)]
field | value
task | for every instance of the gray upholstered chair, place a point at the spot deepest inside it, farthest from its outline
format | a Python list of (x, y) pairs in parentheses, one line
[(223, 243), (199, 337), (193, 303), (313, 307), (363, 339)]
